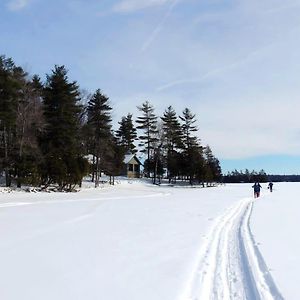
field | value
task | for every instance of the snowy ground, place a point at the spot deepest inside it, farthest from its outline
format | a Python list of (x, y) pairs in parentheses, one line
[(141, 242), (275, 224)]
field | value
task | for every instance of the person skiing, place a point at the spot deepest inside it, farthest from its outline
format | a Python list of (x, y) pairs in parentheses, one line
[(256, 188), (270, 186)]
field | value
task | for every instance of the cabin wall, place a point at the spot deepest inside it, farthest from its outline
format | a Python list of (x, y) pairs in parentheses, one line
[(133, 169)]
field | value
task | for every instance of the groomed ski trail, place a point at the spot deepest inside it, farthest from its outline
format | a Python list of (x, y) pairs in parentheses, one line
[(231, 265)]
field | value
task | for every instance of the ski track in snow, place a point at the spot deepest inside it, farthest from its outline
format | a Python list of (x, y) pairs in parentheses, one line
[(231, 265)]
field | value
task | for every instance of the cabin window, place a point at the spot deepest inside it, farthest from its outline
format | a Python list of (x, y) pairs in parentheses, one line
[(130, 167), (136, 168)]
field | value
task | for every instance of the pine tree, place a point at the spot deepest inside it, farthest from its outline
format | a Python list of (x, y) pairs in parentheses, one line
[(99, 122), (126, 134), (188, 128), (64, 163), (192, 154), (172, 140), (148, 124)]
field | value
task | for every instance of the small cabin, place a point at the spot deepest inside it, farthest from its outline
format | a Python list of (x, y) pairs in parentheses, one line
[(132, 166)]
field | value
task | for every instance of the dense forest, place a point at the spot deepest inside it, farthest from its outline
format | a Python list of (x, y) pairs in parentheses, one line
[(48, 130)]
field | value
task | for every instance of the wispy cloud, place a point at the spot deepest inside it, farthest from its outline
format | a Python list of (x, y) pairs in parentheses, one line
[(281, 8), (129, 6), (15, 5)]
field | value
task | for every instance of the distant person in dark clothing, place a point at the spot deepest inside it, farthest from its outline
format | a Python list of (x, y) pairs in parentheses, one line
[(256, 188), (270, 187)]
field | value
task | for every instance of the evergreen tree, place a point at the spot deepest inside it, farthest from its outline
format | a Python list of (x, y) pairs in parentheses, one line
[(113, 159), (192, 154), (172, 129), (172, 140), (155, 164), (148, 124), (126, 134), (64, 163), (197, 168), (99, 122), (213, 170), (188, 128)]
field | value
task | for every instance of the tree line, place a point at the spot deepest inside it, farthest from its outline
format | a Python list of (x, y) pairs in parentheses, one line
[(245, 176), (52, 132), (284, 178)]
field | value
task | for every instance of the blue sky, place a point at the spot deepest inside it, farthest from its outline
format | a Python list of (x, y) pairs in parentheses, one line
[(236, 64)]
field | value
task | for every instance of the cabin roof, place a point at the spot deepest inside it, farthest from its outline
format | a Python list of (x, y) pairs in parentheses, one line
[(129, 157)]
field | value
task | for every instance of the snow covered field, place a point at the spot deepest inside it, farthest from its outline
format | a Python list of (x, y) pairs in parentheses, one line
[(141, 242)]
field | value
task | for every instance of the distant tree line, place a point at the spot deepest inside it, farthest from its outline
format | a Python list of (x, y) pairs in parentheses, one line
[(284, 178), (245, 176), (253, 176), (54, 133)]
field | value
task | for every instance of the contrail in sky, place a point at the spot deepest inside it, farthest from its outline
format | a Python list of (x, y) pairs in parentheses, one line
[(238, 63), (159, 27)]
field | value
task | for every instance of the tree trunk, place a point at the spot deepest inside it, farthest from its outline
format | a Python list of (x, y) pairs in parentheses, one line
[(6, 169), (19, 181), (97, 172), (7, 178), (94, 167)]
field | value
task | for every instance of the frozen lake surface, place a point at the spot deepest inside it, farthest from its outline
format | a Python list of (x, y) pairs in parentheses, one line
[(136, 241)]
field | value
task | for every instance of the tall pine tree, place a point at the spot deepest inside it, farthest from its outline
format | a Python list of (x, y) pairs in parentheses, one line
[(147, 123), (64, 163), (192, 154), (99, 123), (172, 140)]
